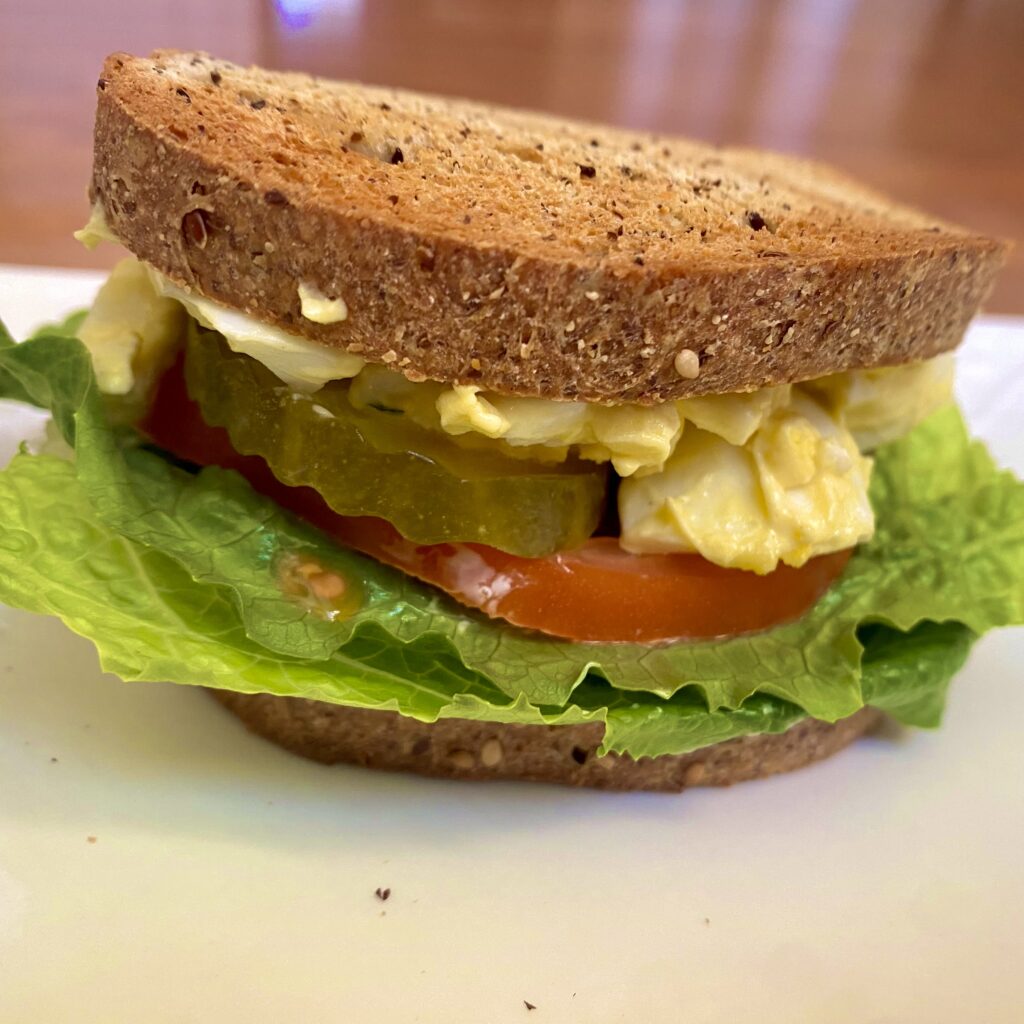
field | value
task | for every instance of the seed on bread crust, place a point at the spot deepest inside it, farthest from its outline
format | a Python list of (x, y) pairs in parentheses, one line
[(687, 363), (462, 759), (491, 753), (194, 227)]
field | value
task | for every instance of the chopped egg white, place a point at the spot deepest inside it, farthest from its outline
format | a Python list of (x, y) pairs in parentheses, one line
[(630, 437), (318, 308), (734, 417), (96, 229), (796, 489), (131, 332), (461, 409), (301, 364), (883, 404)]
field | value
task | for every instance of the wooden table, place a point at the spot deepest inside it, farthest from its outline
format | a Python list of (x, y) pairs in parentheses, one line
[(922, 98)]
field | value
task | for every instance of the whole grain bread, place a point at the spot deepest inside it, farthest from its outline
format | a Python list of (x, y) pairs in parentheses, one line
[(460, 749), (524, 253)]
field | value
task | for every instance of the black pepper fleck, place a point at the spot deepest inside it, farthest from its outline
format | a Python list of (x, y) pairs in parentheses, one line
[(184, 95), (385, 106), (275, 198), (755, 220), (258, 104), (397, 157), (382, 894), (529, 1005), (101, 84), (586, 171), (215, 77)]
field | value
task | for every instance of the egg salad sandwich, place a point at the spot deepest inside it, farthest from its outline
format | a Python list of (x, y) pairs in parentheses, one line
[(435, 436)]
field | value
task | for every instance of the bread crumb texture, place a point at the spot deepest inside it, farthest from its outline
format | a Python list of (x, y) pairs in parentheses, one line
[(566, 754), (520, 252)]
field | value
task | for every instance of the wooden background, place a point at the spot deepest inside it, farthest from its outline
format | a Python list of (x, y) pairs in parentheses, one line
[(922, 98)]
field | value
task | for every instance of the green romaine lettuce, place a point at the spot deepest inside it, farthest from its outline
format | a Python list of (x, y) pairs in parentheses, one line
[(947, 563)]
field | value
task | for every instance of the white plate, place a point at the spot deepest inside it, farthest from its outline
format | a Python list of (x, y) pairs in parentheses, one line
[(157, 863)]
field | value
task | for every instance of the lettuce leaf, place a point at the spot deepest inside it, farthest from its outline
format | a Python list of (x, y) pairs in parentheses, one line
[(946, 564), (151, 621)]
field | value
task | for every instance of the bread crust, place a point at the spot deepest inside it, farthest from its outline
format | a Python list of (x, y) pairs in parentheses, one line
[(518, 252), (460, 749)]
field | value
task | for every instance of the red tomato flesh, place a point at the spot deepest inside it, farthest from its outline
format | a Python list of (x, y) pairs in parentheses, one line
[(596, 592)]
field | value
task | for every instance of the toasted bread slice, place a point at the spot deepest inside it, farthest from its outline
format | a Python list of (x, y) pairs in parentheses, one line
[(458, 749), (523, 253)]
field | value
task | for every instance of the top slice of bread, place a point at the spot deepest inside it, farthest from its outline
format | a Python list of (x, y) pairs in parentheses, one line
[(523, 253)]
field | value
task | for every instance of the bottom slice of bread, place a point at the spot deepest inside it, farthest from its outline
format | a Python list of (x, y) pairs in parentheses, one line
[(460, 749)]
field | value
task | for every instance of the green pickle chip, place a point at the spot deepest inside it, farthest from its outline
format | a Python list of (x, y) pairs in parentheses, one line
[(369, 462)]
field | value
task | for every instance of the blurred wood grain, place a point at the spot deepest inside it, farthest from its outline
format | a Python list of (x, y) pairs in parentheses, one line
[(922, 98)]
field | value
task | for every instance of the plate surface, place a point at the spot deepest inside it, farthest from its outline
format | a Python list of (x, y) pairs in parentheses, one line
[(159, 864)]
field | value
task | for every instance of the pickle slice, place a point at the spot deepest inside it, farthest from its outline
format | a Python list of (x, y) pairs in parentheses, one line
[(370, 462)]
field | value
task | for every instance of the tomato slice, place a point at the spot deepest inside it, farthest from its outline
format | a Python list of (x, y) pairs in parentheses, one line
[(597, 592)]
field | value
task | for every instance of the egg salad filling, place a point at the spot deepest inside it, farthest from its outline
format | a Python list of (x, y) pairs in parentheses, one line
[(748, 481)]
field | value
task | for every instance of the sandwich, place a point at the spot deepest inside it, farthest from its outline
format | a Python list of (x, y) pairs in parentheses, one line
[(435, 436)]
